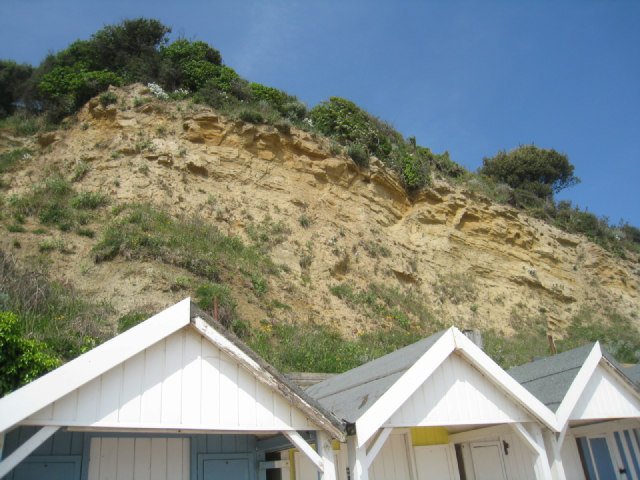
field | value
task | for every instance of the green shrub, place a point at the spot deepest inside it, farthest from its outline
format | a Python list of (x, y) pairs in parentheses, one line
[(540, 171), (21, 360), (108, 98), (358, 154), (251, 116)]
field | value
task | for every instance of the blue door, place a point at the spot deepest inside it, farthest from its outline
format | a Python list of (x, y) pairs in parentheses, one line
[(224, 467), (51, 468)]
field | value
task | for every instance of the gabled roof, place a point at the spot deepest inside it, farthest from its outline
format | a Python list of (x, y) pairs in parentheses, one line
[(560, 380), (369, 395), (80, 373), (549, 378)]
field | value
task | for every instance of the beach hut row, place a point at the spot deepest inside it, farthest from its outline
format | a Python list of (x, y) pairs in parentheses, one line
[(180, 397)]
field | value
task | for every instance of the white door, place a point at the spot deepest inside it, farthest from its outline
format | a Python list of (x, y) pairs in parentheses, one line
[(434, 463), (488, 463)]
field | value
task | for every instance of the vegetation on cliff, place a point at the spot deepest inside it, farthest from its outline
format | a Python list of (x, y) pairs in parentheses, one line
[(181, 76)]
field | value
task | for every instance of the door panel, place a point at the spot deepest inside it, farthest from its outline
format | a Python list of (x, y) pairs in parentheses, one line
[(226, 469), (52, 468), (487, 461)]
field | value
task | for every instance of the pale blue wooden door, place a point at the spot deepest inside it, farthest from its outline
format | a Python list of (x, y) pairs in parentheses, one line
[(52, 469), (224, 467)]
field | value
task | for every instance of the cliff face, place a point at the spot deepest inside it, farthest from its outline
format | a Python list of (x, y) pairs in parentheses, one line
[(473, 263)]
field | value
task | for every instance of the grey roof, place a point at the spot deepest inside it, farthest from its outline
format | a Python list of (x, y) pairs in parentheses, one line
[(633, 372), (549, 379), (350, 394)]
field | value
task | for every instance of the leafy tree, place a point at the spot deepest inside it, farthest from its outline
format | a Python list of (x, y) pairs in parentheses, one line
[(540, 171), (12, 80), (21, 359)]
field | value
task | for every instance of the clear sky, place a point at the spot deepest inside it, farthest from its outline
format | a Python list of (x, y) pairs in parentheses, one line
[(470, 77)]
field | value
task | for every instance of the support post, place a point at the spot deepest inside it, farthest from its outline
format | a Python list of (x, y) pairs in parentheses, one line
[(554, 449), (301, 444), (325, 450), (358, 468), (542, 468), (25, 449)]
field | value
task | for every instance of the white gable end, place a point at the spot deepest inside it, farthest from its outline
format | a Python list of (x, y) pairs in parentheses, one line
[(457, 394), (183, 381), (605, 396)]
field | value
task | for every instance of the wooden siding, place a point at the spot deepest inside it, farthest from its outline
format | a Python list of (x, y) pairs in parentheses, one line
[(605, 397), (182, 382), (114, 458), (457, 394), (392, 462)]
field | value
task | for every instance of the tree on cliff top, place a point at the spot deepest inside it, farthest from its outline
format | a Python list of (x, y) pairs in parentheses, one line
[(540, 171)]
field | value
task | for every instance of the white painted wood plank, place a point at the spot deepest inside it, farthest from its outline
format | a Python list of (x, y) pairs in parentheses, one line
[(142, 467), (44, 414), (94, 458), (88, 401), (54, 385), (172, 382), (151, 404), (191, 378), (247, 411), (108, 459), (378, 443), (264, 405), (131, 397), (110, 395), (325, 450), (210, 383), (126, 458), (228, 391), (159, 458)]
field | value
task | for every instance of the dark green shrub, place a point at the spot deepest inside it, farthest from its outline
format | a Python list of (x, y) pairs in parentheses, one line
[(537, 170), (13, 78)]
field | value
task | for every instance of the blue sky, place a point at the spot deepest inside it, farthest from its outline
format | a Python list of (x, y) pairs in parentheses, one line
[(470, 77)]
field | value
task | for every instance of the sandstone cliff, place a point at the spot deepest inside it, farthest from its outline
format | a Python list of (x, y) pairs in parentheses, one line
[(473, 263)]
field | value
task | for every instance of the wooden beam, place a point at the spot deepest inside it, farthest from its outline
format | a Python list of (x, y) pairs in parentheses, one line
[(527, 439), (554, 447), (306, 449), (274, 464), (578, 385), (471, 435), (25, 449), (376, 445), (357, 460)]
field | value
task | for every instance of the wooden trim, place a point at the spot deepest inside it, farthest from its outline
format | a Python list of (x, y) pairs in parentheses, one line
[(527, 439), (404, 387), (505, 382), (266, 465), (605, 427), (471, 435), (325, 450), (578, 385), (47, 389), (306, 449), (25, 449), (377, 445), (266, 378)]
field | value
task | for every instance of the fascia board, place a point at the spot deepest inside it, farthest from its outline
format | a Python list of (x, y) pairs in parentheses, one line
[(36, 395), (404, 387), (578, 385), (510, 387)]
